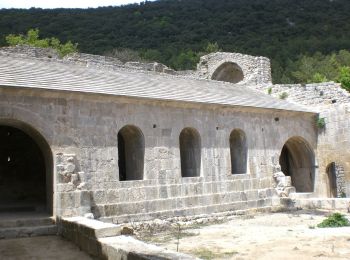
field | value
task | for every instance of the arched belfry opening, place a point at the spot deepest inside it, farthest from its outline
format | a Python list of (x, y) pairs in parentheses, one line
[(297, 160), (190, 152), (239, 152), (131, 153), (26, 183), (228, 72)]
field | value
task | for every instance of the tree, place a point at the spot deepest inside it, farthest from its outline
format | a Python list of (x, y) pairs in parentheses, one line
[(32, 39)]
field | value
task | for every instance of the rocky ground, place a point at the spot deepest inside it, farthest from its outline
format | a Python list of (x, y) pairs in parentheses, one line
[(292, 235)]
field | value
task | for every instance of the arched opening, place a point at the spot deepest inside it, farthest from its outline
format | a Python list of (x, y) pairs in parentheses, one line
[(332, 180), (190, 152), (26, 182), (131, 153), (239, 152), (297, 160), (336, 180), (228, 72)]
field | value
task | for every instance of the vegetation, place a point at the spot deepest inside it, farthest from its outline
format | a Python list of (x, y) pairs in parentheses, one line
[(303, 39), (32, 39), (283, 95), (204, 253), (334, 220), (321, 123)]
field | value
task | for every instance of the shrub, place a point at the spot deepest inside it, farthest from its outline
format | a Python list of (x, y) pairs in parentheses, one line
[(269, 90), (334, 220), (32, 39), (283, 95), (321, 123)]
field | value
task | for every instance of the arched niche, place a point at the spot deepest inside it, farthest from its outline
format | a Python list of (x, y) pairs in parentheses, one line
[(131, 153), (228, 72), (239, 152), (26, 169), (190, 152), (297, 160)]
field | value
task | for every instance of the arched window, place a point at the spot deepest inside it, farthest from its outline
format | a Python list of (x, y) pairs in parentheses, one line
[(190, 152), (239, 152), (297, 160), (131, 153), (228, 72)]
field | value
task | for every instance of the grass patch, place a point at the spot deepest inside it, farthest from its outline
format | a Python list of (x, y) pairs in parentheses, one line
[(207, 254), (334, 220)]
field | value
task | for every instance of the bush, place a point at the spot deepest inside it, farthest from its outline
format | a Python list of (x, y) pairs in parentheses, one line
[(334, 220), (32, 39), (283, 95), (321, 123)]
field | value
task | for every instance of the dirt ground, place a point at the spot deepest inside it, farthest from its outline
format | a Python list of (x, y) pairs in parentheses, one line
[(40, 248), (264, 236)]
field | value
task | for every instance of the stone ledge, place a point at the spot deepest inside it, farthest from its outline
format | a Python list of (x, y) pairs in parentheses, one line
[(124, 247)]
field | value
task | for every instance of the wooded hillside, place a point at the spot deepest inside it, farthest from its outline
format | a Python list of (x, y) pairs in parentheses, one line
[(175, 32)]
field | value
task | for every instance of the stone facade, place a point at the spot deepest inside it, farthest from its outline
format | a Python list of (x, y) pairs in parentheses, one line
[(80, 132)]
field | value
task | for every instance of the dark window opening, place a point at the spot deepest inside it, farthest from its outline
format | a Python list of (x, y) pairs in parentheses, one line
[(131, 152), (190, 152), (239, 152)]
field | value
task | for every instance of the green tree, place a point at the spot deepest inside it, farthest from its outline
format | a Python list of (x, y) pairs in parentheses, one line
[(32, 39), (344, 77)]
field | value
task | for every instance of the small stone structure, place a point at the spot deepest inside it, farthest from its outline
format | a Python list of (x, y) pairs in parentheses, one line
[(132, 142)]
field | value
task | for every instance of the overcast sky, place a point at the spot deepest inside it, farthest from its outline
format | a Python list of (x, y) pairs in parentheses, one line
[(63, 3)]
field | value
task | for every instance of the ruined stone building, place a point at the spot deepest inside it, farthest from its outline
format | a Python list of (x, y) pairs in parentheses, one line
[(132, 142)]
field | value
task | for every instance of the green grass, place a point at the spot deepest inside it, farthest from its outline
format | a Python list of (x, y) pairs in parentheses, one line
[(206, 254)]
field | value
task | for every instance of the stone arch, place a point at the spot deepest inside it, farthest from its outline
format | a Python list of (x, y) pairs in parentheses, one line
[(131, 153), (26, 168), (239, 151), (297, 160), (228, 72), (336, 180), (190, 152)]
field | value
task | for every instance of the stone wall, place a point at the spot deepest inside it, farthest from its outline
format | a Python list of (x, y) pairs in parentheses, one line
[(256, 70), (320, 95), (82, 131)]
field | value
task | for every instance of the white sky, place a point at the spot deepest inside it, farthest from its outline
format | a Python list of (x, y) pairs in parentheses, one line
[(63, 3)]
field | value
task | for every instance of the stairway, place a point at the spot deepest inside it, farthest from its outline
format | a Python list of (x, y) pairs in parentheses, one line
[(26, 224)]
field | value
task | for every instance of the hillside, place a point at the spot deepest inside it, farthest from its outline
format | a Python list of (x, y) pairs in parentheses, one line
[(174, 32)]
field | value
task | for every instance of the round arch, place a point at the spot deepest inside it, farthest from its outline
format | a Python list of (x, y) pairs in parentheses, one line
[(297, 160), (26, 168), (131, 153), (228, 72), (190, 152), (239, 151)]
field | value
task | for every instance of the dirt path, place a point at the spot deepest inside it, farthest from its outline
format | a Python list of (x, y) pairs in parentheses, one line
[(40, 248), (272, 236)]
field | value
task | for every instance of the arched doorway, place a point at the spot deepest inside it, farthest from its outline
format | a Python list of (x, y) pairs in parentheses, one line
[(239, 152), (228, 72), (26, 182), (131, 153), (298, 161), (190, 152), (332, 180), (336, 180)]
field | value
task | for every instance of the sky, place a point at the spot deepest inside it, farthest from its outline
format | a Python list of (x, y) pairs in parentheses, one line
[(63, 3)]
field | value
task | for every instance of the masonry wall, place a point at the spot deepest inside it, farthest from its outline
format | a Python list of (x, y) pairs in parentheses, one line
[(82, 131), (332, 103)]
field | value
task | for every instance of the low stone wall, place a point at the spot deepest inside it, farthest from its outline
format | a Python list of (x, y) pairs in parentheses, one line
[(104, 240)]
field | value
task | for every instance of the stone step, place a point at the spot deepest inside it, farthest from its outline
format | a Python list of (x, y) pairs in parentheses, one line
[(196, 210), (18, 232), (127, 208), (26, 222)]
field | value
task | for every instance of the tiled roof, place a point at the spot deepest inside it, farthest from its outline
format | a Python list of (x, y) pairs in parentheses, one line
[(53, 75)]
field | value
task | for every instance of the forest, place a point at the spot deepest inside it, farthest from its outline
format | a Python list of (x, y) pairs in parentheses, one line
[(292, 33)]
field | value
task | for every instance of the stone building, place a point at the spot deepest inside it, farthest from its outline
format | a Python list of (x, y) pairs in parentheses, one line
[(133, 142)]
